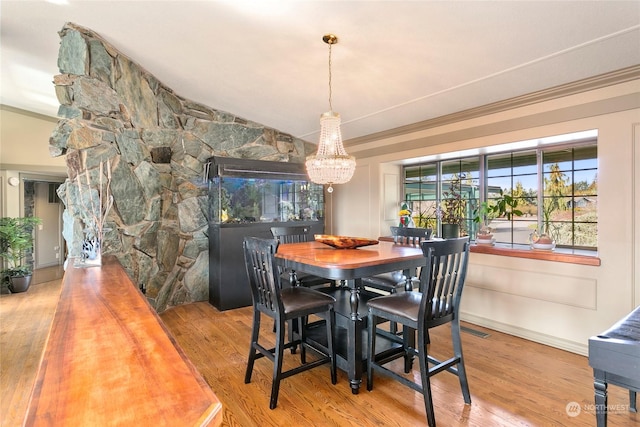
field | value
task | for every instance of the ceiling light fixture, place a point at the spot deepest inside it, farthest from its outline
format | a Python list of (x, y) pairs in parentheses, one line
[(331, 164)]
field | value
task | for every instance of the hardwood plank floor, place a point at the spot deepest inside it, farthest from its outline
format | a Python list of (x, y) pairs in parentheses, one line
[(25, 320), (512, 381)]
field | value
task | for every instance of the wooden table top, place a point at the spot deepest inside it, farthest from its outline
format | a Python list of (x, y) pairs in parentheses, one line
[(109, 361), (326, 261)]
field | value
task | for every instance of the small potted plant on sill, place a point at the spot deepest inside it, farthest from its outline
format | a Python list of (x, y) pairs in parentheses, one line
[(483, 215), (504, 206), (16, 237)]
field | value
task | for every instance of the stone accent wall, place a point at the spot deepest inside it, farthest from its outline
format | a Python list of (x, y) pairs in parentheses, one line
[(157, 143)]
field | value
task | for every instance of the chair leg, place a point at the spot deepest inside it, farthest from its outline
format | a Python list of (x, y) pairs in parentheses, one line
[(277, 365), (393, 326), (255, 332), (301, 323), (425, 377), (293, 331), (408, 341), (371, 349), (457, 352), (293, 325), (331, 321)]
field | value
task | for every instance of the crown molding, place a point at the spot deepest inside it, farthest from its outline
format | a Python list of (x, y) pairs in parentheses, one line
[(584, 85)]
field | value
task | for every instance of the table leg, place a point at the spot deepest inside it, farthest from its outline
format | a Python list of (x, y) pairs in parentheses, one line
[(408, 284), (354, 338)]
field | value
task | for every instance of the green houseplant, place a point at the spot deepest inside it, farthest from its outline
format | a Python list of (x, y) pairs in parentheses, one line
[(505, 206), (453, 210), (16, 238)]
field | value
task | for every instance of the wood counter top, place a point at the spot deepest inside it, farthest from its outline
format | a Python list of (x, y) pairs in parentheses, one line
[(109, 361)]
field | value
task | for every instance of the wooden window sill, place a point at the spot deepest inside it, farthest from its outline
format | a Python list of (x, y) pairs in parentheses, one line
[(571, 256)]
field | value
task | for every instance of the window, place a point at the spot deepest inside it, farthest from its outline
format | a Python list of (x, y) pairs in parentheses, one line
[(554, 180)]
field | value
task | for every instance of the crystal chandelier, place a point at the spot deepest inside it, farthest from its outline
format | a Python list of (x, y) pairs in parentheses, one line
[(331, 164)]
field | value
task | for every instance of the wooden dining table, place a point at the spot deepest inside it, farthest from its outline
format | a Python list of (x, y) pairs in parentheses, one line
[(349, 266)]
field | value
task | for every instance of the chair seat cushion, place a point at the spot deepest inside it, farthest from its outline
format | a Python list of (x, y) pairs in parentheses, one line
[(385, 282), (300, 300), (402, 305), (305, 279), (311, 280), (389, 282)]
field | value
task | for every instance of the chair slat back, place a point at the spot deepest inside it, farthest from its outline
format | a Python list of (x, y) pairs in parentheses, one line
[(442, 281), (262, 271), (295, 234), (410, 235)]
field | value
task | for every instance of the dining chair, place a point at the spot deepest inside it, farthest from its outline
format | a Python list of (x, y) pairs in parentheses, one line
[(282, 305), (395, 281), (437, 302), (297, 234)]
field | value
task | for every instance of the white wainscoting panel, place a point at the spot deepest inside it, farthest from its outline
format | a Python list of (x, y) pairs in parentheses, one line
[(561, 289)]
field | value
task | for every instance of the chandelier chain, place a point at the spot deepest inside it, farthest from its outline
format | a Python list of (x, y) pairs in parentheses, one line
[(330, 93)]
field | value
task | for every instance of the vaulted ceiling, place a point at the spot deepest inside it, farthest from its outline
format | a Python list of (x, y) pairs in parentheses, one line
[(396, 63)]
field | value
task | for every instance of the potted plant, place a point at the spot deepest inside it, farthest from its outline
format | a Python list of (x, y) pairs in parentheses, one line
[(505, 206), (453, 210), (16, 238)]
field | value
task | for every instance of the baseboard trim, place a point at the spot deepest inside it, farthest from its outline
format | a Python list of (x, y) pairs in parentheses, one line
[(527, 334)]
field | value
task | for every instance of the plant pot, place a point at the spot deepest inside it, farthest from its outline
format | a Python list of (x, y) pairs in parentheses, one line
[(19, 283), (450, 231)]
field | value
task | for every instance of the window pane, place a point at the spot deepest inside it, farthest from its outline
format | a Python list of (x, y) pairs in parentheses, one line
[(561, 159), (495, 184), (427, 172), (499, 165), (586, 235), (562, 202), (585, 182), (523, 227), (525, 163), (561, 232), (585, 157)]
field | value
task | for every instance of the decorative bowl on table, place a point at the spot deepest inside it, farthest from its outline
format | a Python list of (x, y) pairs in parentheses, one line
[(344, 242)]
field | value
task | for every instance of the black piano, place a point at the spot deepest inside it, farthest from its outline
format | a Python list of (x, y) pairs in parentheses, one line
[(614, 356)]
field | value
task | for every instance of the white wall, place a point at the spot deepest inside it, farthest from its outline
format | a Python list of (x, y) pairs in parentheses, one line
[(558, 304), (24, 147)]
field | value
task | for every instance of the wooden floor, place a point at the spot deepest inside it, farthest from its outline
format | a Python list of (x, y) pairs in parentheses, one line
[(512, 381), (25, 320)]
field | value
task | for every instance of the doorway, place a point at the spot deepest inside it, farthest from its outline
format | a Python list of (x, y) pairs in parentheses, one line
[(40, 199), (48, 238)]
